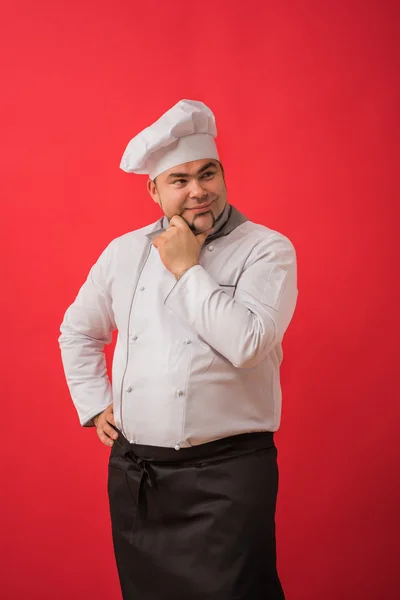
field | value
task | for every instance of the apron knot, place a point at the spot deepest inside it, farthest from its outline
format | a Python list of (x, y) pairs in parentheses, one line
[(143, 465)]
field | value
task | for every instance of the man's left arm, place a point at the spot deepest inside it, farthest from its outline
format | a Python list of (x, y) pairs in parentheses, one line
[(245, 328)]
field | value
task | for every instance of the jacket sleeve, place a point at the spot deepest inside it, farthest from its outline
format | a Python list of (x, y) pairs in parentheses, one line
[(86, 328), (243, 328)]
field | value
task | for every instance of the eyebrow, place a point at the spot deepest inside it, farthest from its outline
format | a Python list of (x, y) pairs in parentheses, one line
[(207, 166)]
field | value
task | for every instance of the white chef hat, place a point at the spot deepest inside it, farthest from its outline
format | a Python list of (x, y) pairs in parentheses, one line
[(184, 133)]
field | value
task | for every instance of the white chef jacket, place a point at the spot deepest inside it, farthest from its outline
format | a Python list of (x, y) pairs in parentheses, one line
[(195, 359)]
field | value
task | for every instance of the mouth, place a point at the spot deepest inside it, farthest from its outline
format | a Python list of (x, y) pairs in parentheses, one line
[(201, 208)]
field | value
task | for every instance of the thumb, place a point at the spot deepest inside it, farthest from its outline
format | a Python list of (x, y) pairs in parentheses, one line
[(179, 222)]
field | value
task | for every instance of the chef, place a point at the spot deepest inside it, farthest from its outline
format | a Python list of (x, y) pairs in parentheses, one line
[(201, 300)]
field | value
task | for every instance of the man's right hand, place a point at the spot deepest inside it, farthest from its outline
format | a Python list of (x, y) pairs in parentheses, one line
[(103, 427)]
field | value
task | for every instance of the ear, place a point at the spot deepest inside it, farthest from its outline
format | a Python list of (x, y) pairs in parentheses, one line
[(152, 189)]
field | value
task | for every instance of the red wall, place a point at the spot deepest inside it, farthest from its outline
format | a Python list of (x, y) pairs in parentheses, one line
[(306, 99)]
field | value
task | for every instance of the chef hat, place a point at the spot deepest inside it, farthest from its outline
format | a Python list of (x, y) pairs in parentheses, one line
[(184, 133)]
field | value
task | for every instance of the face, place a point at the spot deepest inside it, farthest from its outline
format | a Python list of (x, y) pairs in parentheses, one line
[(196, 191)]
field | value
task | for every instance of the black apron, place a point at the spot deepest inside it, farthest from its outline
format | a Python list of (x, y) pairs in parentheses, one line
[(196, 523)]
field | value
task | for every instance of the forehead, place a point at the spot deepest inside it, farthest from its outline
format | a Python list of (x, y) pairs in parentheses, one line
[(191, 168)]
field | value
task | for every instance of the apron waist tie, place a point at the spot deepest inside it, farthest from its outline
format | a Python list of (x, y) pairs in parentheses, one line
[(143, 466), (146, 477)]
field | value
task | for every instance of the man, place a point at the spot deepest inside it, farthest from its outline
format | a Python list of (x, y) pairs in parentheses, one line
[(201, 300)]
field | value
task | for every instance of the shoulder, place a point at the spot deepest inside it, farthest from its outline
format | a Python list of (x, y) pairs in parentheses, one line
[(130, 241), (260, 239), (262, 232), (135, 235)]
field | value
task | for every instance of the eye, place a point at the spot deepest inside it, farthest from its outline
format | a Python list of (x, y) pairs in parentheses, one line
[(179, 181), (208, 174)]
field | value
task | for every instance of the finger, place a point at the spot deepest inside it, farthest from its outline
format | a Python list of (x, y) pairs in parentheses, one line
[(110, 418), (168, 232), (104, 437), (158, 241), (179, 222), (108, 430)]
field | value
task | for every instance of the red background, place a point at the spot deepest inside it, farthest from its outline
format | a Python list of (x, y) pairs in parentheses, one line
[(306, 99)]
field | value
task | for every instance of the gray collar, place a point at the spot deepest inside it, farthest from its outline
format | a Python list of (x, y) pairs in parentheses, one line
[(227, 222)]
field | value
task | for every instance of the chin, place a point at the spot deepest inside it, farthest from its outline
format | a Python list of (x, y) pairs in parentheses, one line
[(202, 222)]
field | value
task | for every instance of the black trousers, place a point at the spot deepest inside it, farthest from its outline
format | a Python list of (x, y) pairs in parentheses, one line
[(196, 523)]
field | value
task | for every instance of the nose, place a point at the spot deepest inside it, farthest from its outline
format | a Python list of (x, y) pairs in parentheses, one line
[(197, 190)]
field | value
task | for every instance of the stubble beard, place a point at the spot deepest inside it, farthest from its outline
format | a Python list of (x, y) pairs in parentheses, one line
[(194, 228)]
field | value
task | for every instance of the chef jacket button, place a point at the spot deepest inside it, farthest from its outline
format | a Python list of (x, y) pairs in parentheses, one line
[(142, 288), (129, 390), (188, 341), (179, 392), (131, 441), (177, 447), (211, 248), (134, 337)]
